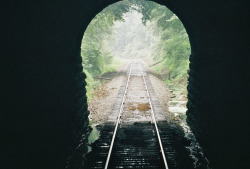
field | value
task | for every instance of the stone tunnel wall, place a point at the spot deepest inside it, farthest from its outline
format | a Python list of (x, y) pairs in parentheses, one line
[(43, 102)]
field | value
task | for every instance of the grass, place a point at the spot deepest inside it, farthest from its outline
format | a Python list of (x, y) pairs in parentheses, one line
[(90, 122), (113, 66), (179, 82), (93, 83), (183, 116)]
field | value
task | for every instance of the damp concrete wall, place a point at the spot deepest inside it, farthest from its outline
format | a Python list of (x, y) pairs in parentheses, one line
[(43, 100)]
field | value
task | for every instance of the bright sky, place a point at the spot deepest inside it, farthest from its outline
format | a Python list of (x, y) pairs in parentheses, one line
[(131, 38)]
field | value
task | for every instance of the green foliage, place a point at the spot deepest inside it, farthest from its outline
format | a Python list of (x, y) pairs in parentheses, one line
[(94, 51), (165, 39), (91, 84), (95, 48), (183, 116), (172, 45)]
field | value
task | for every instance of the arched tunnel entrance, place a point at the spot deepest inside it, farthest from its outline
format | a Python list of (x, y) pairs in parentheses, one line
[(118, 51), (42, 102)]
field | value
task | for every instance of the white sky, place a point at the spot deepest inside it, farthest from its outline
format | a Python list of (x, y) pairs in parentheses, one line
[(131, 38)]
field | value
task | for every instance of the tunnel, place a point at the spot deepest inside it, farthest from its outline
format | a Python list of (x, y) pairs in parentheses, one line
[(44, 115)]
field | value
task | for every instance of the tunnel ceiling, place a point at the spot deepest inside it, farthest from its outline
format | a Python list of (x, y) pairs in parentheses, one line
[(43, 100)]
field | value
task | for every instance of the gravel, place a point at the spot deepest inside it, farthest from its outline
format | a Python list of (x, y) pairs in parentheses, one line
[(162, 93), (101, 105)]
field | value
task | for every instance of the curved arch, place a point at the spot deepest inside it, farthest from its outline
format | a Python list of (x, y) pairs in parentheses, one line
[(98, 7)]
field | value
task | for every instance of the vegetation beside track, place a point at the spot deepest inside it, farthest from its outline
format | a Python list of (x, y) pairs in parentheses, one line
[(158, 36)]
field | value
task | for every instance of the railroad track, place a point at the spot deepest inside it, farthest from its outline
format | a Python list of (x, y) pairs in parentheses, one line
[(131, 138)]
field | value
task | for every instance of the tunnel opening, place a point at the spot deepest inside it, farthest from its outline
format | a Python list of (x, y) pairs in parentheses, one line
[(95, 58), (202, 101), (138, 30)]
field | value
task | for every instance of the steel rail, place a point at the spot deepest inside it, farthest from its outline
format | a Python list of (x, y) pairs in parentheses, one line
[(154, 121), (118, 121)]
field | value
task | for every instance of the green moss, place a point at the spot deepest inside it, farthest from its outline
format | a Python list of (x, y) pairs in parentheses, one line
[(91, 85), (183, 116), (90, 122)]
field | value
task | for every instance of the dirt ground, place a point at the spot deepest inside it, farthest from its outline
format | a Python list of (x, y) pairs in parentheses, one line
[(104, 98), (102, 103), (162, 93)]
